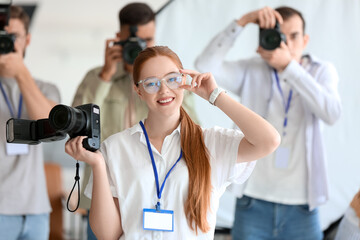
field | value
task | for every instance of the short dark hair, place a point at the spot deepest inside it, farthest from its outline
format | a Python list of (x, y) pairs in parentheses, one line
[(288, 12), (136, 14), (17, 12)]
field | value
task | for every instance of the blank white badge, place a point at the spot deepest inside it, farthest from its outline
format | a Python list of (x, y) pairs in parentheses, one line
[(162, 220), (16, 149), (282, 157)]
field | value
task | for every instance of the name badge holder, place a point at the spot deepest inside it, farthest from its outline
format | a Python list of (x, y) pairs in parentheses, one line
[(14, 148), (158, 219)]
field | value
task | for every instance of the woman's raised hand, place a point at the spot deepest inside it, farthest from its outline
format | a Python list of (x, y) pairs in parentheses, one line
[(202, 84)]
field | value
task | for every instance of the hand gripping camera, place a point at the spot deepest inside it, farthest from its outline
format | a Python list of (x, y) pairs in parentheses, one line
[(271, 38), (132, 46), (6, 40), (83, 120)]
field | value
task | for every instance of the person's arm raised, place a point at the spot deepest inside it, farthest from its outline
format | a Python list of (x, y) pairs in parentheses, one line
[(265, 17), (260, 137)]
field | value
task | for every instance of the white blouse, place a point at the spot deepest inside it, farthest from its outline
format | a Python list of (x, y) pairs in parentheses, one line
[(132, 180)]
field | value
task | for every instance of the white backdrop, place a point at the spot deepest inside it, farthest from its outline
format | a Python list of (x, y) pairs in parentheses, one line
[(187, 25), (69, 36)]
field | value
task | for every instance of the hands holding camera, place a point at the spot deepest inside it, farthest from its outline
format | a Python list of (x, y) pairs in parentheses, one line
[(113, 55), (278, 58), (267, 18), (74, 147), (12, 64)]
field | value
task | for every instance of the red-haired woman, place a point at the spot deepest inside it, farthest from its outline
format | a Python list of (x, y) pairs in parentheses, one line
[(162, 178)]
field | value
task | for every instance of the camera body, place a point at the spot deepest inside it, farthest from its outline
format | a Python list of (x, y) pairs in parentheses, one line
[(6, 40), (271, 38), (83, 120), (132, 46)]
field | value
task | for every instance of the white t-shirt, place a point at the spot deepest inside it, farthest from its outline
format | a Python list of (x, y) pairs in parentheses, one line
[(287, 183), (132, 181)]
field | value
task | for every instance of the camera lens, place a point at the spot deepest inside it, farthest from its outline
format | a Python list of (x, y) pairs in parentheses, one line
[(67, 119), (6, 44), (270, 39), (131, 51)]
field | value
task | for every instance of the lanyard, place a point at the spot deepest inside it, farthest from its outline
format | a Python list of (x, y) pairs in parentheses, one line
[(159, 190), (9, 104), (286, 104)]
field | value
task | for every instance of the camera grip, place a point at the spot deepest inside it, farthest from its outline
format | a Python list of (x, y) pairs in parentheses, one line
[(90, 144)]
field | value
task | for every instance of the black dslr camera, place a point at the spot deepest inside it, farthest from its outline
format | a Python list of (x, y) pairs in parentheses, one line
[(132, 46), (271, 38), (6, 40), (82, 120)]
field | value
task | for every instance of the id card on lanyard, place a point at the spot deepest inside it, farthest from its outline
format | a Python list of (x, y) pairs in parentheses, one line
[(14, 148), (157, 219), (282, 154)]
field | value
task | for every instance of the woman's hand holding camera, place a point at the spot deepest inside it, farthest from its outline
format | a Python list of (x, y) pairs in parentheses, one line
[(74, 147)]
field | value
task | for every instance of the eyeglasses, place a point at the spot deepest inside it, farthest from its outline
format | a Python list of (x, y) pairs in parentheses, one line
[(153, 84)]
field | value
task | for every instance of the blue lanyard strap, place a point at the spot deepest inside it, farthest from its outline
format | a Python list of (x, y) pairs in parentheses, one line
[(159, 190), (287, 104), (9, 104)]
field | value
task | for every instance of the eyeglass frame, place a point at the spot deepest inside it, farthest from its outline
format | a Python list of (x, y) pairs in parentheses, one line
[(159, 80)]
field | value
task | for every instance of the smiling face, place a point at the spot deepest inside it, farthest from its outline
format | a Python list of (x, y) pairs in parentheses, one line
[(166, 101)]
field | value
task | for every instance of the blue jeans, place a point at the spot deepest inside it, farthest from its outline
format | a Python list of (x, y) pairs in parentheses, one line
[(24, 227), (259, 220)]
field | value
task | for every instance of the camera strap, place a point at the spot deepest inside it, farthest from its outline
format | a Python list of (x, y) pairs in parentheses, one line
[(9, 104), (286, 104), (77, 178)]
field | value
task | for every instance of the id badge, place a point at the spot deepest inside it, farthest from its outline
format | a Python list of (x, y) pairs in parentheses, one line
[(16, 149), (161, 220), (282, 156)]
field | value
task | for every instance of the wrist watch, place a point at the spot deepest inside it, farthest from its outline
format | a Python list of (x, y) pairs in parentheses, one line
[(215, 94)]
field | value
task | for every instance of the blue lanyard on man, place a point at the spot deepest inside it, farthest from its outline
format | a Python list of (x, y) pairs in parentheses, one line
[(11, 148), (9, 104), (286, 104), (164, 215)]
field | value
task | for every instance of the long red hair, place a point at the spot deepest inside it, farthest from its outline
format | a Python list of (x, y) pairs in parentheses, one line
[(194, 150)]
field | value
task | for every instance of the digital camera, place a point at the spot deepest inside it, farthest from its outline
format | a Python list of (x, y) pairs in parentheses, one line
[(271, 38), (6, 40), (83, 120), (132, 46)]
